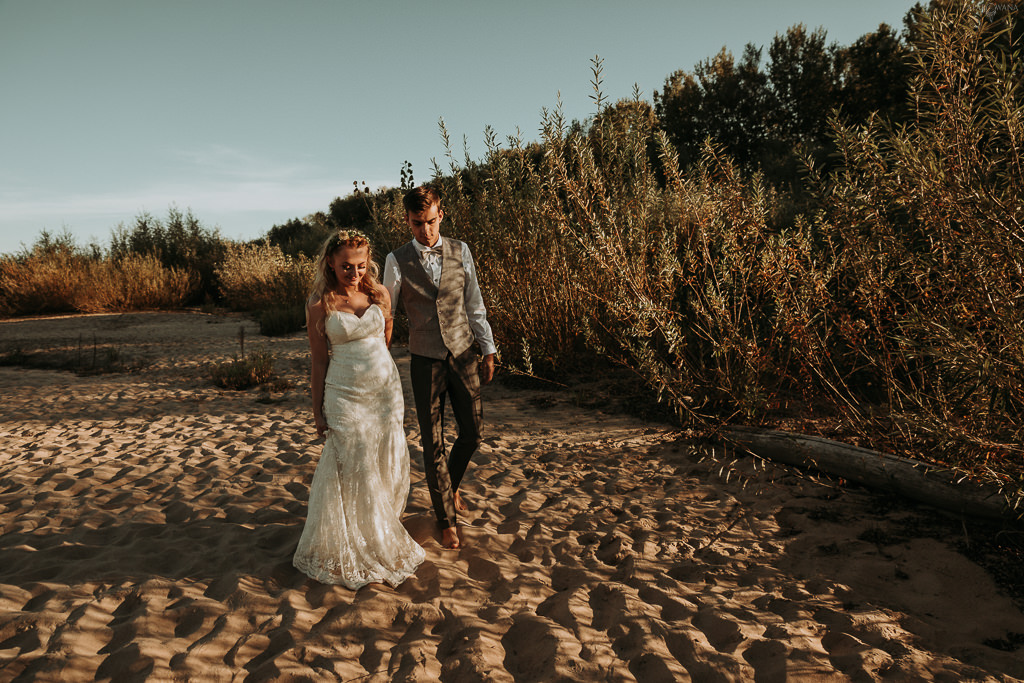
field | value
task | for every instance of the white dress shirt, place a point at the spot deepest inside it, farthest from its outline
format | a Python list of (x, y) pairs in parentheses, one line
[(430, 257)]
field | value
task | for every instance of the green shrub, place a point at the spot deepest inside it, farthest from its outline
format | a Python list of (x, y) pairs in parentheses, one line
[(301, 237), (178, 242), (281, 320)]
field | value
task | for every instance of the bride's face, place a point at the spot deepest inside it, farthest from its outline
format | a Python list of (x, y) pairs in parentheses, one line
[(349, 264)]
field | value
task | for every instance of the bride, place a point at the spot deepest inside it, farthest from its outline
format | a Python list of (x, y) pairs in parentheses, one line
[(353, 535)]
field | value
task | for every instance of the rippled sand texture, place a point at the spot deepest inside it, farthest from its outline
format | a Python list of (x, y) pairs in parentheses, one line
[(148, 522)]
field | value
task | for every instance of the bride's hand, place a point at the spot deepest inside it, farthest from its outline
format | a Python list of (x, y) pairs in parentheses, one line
[(321, 425)]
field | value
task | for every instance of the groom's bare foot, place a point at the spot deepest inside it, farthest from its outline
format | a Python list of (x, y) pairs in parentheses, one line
[(459, 504), (450, 538)]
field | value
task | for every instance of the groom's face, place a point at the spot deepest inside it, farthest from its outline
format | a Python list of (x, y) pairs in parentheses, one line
[(426, 225)]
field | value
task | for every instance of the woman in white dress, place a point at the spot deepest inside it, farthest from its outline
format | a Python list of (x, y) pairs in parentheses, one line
[(353, 533)]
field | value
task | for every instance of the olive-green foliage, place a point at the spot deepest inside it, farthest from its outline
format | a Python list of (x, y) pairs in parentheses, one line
[(766, 115), (301, 237), (180, 241), (281, 320), (352, 211), (388, 230)]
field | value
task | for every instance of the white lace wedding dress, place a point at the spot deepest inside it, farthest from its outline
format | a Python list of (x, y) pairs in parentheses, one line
[(353, 534)]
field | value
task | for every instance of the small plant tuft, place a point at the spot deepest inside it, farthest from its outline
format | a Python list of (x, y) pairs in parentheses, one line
[(245, 371)]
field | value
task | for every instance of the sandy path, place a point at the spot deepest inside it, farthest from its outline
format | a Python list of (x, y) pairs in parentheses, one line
[(148, 522)]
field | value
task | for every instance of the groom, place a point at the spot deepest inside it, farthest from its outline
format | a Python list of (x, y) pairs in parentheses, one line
[(435, 280)]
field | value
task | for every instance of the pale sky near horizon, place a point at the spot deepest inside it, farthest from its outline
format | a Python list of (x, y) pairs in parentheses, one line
[(252, 112)]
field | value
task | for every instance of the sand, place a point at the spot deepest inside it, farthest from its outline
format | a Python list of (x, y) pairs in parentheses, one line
[(149, 519)]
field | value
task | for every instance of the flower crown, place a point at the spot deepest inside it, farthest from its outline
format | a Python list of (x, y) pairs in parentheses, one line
[(350, 236)]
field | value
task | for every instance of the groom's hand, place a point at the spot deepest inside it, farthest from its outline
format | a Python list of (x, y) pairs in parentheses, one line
[(487, 369)]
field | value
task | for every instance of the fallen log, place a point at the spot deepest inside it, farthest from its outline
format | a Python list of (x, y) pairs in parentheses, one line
[(915, 480)]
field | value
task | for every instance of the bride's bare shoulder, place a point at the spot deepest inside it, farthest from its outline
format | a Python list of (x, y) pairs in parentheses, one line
[(383, 295), (315, 309)]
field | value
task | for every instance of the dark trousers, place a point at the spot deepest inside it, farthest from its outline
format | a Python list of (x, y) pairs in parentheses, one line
[(433, 380)]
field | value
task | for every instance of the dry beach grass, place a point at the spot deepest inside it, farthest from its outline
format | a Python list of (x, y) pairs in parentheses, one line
[(149, 518)]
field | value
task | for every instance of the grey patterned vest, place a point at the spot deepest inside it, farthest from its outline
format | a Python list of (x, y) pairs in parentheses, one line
[(437, 315)]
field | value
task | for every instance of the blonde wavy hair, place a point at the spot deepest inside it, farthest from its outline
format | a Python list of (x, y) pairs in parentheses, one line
[(325, 281)]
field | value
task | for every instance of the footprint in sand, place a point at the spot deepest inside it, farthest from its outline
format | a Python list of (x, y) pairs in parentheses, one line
[(569, 608), (538, 649), (25, 638), (769, 660), (853, 656), (297, 489), (188, 616), (509, 526), (672, 608), (610, 605), (522, 549), (614, 548), (127, 664), (39, 602), (722, 632), (484, 570), (702, 662)]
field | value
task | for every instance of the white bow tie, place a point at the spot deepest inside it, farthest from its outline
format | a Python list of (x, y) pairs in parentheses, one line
[(430, 251)]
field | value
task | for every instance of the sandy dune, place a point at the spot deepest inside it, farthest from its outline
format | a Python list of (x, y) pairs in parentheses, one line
[(148, 522)]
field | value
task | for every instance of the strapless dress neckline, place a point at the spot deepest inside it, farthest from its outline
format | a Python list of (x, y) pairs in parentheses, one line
[(356, 315)]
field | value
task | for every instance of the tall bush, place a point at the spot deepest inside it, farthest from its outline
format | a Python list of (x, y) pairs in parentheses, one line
[(44, 278), (255, 277), (930, 225), (895, 309), (301, 236), (180, 241), (135, 282), (57, 276)]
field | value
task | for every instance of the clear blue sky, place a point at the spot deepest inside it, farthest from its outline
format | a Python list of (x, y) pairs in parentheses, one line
[(251, 112)]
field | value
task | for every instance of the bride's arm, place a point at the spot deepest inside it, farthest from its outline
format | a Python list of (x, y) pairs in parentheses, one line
[(318, 367), (389, 320)]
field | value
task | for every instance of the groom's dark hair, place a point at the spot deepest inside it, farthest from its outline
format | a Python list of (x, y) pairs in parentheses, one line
[(419, 199)]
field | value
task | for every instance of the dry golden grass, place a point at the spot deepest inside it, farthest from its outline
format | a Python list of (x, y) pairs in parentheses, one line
[(260, 277), (64, 281)]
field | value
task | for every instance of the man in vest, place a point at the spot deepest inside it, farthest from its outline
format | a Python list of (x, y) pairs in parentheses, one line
[(435, 280)]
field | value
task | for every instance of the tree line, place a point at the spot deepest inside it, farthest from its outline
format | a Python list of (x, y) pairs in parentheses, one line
[(769, 110)]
